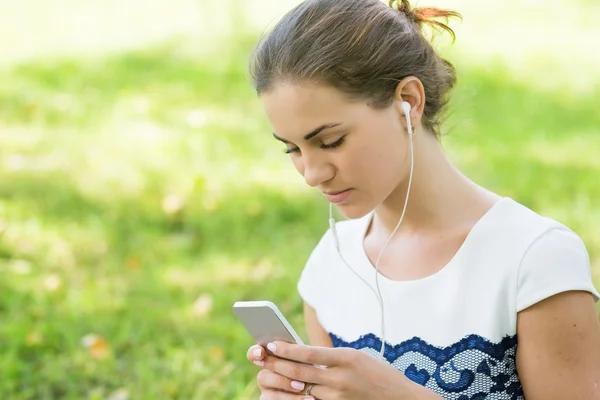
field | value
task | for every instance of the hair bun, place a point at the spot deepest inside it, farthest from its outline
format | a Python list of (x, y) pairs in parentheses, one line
[(426, 15), (404, 7)]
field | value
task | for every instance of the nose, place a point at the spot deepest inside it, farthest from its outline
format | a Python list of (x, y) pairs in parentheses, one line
[(317, 171)]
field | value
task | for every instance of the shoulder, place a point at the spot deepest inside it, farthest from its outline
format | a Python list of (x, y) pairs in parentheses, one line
[(515, 229), (540, 235), (532, 255), (557, 261), (550, 258), (516, 216)]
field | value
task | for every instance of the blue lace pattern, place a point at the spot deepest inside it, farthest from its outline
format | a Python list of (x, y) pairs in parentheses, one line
[(472, 369)]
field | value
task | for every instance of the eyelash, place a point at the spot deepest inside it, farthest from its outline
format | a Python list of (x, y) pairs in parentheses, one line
[(333, 145)]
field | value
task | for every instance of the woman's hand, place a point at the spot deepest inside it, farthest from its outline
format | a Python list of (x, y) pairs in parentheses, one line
[(337, 373), (272, 384)]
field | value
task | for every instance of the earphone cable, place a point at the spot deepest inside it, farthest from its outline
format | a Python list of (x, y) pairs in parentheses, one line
[(337, 243)]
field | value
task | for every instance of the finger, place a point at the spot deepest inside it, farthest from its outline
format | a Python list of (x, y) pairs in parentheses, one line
[(309, 354), (296, 371), (324, 392), (270, 380), (274, 395), (255, 353)]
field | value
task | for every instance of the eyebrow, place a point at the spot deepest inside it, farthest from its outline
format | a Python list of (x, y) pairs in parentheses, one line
[(312, 134)]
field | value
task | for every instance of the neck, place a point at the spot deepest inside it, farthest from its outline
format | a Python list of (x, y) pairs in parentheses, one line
[(441, 197)]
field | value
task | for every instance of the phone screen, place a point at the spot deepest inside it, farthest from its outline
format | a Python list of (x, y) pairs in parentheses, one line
[(265, 325)]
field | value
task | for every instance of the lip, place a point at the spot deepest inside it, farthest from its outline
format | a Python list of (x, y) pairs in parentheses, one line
[(338, 197)]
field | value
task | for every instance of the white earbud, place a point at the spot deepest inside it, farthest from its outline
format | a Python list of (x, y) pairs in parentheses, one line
[(406, 107)]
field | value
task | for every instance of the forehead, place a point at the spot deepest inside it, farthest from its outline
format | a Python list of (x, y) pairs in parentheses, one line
[(296, 108)]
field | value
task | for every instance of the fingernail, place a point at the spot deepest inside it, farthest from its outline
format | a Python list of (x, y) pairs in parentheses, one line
[(257, 352), (272, 347), (259, 363), (308, 398), (298, 385)]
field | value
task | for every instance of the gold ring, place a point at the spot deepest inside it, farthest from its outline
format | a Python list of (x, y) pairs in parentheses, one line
[(308, 389)]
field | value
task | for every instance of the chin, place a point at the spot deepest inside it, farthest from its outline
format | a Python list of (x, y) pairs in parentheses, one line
[(353, 211)]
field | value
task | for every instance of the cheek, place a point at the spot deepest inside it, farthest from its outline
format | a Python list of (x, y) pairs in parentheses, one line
[(374, 157), (379, 165), (298, 164)]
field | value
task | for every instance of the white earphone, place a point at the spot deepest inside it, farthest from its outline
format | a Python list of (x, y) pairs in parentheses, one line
[(406, 109)]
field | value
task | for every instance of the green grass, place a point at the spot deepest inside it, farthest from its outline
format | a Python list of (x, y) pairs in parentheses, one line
[(96, 145)]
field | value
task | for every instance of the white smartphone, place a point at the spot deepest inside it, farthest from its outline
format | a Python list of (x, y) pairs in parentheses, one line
[(265, 322)]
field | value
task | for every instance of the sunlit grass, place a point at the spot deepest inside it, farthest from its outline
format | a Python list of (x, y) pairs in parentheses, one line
[(141, 192)]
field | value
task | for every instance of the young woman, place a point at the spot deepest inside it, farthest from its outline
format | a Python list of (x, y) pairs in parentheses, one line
[(434, 288)]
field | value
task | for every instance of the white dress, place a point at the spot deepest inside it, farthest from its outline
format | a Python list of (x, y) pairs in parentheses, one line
[(455, 331)]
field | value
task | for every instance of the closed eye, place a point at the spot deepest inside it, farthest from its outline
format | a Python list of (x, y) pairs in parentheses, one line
[(333, 145), (294, 150)]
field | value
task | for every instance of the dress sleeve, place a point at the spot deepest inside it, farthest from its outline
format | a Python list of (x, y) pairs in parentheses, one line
[(556, 262)]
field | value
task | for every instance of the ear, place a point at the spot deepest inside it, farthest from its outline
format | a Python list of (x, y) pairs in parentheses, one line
[(410, 89)]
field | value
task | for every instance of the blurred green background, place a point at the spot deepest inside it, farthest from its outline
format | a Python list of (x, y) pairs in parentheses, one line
[(141, 194)]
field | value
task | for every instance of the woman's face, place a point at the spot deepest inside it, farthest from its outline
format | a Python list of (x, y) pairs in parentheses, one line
[(340, 146)]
